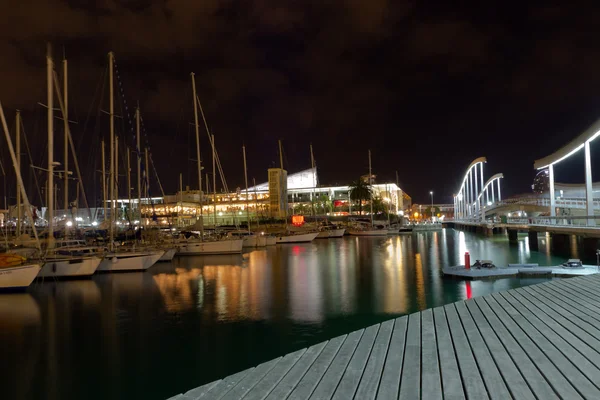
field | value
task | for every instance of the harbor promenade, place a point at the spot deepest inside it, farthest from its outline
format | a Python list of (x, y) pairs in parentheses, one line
[(540, 341)]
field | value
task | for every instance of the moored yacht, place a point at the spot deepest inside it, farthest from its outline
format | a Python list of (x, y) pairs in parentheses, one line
[(299, 237), (15, 273), (169, 254), (124, 261), (250, 239), (330, 231), (65, 266), (193, 246)]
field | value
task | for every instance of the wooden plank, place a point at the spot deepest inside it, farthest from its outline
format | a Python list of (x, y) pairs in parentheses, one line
[(451, 379), (356, 367), (250, 380), (410, 382), (200, 391), (566, 342), (224, 385), (535, 380), (312, 377), (585, 303), (367, 389), (471, 378), (264, 387), (579, 381), (331, 378), (487, 367), (291, 379), (515, 382), (578, 305), (431, 381), (392, 369), (545, 366), (569, 318)]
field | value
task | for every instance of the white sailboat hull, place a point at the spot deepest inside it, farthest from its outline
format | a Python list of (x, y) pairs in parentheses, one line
[(254, 241), (375, 232), (69, 267), (271, 240), (196, 247), (332, 233), (129, 261), (169, 254), (301, 238), (18, 277)]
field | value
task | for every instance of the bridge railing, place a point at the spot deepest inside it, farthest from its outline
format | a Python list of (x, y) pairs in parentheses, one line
[(570, 221)]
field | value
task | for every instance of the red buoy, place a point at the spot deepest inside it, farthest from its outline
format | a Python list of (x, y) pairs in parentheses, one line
[(467, 260)]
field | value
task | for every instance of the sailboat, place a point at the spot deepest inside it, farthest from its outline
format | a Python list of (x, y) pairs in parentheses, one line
[(328, 230), (250, 239), (15, 272), (55, 264), (288, 236), (131, 259), (372, 230), (204, 245)]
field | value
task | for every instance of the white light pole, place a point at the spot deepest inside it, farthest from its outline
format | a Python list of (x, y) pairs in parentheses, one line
[(431, 194)]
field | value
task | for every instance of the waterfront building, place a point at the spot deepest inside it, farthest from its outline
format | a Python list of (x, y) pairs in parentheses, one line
[(266, 201)]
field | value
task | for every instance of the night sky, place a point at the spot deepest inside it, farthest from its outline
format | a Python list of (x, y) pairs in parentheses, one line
[(427, 86)]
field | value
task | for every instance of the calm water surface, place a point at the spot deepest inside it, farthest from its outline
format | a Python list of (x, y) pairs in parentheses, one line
[(181, 324)]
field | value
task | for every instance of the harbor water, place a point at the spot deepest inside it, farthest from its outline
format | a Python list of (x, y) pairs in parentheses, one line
[(178, 325)]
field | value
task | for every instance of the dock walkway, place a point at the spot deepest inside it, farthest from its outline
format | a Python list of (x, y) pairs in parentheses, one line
[(540, 341)]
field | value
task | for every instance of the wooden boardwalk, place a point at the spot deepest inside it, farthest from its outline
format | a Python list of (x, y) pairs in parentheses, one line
[(536, 342)]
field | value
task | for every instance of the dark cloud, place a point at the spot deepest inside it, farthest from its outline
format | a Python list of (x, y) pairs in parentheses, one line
[(428, 86)]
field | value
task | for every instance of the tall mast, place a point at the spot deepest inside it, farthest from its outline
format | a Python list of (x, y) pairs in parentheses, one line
[(117, 212), (179, 209), (212, 141), (18, 173), (147, 177), (198, 154), (104, 181), (371, 187), (312, 166), (18, 137), (280, 156), (139, 160), (112, 148), (50, 100), (66, 134), (128, 183), (255, 201), (246, 181)]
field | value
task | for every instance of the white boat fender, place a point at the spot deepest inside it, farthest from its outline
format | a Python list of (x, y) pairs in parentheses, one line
[(114, 260)]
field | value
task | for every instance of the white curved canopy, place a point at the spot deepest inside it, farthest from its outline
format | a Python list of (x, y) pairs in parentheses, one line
[(489, 182), (570, 148), (473, 164)]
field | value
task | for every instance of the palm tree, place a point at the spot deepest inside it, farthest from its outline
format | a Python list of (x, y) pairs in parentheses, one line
[(359, 191)]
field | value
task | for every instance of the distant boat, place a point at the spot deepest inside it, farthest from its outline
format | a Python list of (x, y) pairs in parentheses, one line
[(250, 239), (169, 254), (297, 237), (194, 247), (372, 230), (65, 266), (123, 261), (330, 231), (368, 232)]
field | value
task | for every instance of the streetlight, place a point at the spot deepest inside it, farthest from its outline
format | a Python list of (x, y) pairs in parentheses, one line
[(431, 194)]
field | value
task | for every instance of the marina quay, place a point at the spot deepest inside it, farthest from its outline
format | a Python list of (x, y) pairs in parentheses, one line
[(290, 200)]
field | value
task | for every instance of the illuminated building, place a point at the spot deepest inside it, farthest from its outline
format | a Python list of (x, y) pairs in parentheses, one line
[(303, 195)]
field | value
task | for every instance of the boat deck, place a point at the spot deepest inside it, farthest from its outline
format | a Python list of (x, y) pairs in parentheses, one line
[(540, 341)]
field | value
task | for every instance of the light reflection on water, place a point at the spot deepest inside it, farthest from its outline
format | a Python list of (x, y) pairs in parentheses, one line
[(181, 324)]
